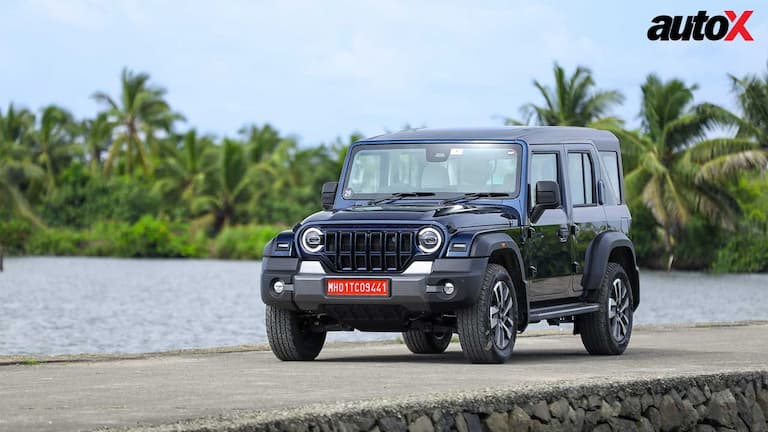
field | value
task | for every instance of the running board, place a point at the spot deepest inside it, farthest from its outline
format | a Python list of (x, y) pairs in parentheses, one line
[(570, 309)]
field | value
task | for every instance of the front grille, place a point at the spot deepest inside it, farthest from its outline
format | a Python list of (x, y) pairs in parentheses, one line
[(368, 250)]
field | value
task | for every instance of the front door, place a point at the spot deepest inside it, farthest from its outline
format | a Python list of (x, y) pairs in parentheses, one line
[(548, 248)]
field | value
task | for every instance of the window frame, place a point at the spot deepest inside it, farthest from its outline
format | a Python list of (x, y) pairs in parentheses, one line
[(595, 180), (558, 171)]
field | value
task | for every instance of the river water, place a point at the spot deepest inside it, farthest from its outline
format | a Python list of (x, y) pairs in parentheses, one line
[(53, 305)]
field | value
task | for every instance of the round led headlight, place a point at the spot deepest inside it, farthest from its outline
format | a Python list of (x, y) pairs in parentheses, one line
[(429, 240), (312, 240)]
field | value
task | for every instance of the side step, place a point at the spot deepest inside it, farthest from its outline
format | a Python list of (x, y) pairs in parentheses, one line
[(550, 312)]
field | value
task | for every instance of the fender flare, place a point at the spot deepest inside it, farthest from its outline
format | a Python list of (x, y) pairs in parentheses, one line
[(596, 261), (484, 245)]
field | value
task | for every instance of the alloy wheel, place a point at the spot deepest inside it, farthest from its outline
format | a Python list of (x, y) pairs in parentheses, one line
[(618, 310), (502, 315)]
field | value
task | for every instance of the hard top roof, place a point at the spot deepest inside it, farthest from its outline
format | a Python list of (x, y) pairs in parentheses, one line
[(532, 135)]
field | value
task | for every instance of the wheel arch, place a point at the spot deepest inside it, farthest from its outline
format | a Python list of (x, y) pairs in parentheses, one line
[(611, 246), (501, 249)]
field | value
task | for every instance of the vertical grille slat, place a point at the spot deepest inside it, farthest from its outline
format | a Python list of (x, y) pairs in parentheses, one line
[(369, 249)]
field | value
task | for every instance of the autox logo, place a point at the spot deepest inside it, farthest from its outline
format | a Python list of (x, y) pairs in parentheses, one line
[(701, 26)]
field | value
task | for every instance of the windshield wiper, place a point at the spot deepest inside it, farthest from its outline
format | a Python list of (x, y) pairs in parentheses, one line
[(398, 195), (473, 196)]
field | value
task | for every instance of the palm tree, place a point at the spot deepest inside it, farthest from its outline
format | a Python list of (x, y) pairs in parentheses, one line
[(226, 186), (181, 174), (16, 169), (16, 124), (98, 138), (673, 169), (752, 97), (141, 112), (572, 102), (261, 141), (53, 143)]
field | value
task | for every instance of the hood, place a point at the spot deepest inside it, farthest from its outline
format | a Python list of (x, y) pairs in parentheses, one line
[(452, 216)]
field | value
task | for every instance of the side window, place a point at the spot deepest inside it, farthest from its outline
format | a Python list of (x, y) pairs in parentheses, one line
[(611, 165), (543, 167), (581, 179)]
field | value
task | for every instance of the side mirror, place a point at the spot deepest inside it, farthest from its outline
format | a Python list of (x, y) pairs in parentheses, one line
[(328, 195), (547, 197)]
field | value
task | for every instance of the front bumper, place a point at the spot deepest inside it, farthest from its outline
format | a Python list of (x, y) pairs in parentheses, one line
[(417, 289)]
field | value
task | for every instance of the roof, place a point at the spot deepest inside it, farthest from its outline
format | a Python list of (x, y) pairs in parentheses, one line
[(532, 135)]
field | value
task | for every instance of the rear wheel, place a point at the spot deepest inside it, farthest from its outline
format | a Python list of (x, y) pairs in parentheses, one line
[(488, 329), (291, 336), (607, 331), (424, 342)]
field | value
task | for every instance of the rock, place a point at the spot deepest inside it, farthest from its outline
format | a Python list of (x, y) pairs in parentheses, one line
[(622, 424), (443, 422), (461, 424), (631, 408), (646, 401), (497, 422), (392, 424), (591, 419), (519, 420), (644, 425), (364, 423), (707, 391), (559, 409), (541, 412), (653, 415), (671, 417), (296, 427), (602, 427), (705, 428), (473, 422), (759, 423), (762, 399), (576, 418), (553, 426), (343, 426), (594, 402), (422, 424), (721, 409), (608, 410), (695, 395)]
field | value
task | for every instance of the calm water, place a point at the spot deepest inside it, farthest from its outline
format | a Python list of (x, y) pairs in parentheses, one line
[(74, 305)]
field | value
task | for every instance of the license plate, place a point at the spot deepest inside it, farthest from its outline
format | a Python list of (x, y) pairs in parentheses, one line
[(357, 287)]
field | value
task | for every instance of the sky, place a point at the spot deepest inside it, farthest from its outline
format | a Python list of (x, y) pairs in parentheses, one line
[(322, 69)]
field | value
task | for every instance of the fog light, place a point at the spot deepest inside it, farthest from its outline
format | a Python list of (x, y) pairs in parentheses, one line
[(448, 288), (278, 286)]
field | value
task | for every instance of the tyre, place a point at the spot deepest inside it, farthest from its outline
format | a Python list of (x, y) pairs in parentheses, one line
[(291, 337), (607, 331), (423, 342), (488, 329)]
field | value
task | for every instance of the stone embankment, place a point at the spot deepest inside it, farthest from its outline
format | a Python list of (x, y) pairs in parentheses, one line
[(725, 402)]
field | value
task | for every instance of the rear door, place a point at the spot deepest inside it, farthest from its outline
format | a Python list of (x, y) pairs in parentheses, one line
[(588, 215), (548, 249)]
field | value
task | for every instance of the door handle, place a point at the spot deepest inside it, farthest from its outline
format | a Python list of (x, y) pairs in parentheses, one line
[(563, 234)]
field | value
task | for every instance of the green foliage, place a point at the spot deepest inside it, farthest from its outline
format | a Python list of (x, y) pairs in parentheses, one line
[(125, 183), (14, 234), (243, 242)]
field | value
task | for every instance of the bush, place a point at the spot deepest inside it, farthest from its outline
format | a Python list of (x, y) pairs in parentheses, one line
[(14, 234), (55, 241), (157, 237), (244, 241)]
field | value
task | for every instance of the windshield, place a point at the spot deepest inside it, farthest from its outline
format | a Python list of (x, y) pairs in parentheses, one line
[(445, 170)]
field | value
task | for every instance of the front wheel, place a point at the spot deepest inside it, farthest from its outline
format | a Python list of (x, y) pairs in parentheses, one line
[(488, 329), (291, 336), (607, 331)]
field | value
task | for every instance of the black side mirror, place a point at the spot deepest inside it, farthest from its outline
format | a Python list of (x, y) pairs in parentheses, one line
[(328, 195), (547, 197)]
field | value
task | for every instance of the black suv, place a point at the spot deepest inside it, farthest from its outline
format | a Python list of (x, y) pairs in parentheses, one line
[(477, 232)]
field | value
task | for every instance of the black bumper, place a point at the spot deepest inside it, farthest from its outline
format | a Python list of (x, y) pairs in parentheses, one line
[(411, 292)]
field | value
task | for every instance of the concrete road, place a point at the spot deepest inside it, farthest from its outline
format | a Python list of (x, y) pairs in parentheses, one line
[(87, 395)]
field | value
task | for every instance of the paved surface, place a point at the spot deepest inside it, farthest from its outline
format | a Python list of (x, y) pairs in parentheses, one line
[(87, 395)]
